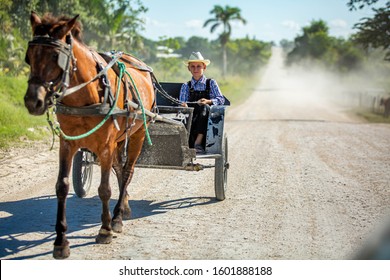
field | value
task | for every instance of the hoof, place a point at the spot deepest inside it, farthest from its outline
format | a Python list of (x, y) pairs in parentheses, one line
[(61, 252), (104, 237), (117, 226), (127, 214)]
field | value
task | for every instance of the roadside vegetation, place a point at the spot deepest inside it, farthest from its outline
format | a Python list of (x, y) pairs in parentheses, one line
[(370, 116), (121, 20), (236, 63), (17, 127), (361, 63)]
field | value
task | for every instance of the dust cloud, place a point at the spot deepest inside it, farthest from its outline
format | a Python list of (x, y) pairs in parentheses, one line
[(307, 91), (297, 93), (307, 83)]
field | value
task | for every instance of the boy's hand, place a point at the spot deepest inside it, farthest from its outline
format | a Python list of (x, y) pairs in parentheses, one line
[(204, 101)]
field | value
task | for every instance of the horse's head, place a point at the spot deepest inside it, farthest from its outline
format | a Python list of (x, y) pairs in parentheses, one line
[(50, 56)]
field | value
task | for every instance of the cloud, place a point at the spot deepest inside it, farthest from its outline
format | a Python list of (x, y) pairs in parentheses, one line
[(338, 23), (155, 23), (194, 23), (340, 28), (292, 25)]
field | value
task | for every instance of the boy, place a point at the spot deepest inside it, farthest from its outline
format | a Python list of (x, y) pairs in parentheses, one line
[(205, 92)]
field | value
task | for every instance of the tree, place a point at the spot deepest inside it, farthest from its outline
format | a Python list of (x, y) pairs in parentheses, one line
[(196, 43), (106, 24), (113, 24), (224, 17), (313, 43), (248, 55), (375, 31), (360, 4)]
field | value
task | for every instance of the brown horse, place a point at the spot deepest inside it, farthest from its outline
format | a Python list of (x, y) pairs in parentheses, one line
[(60, 62), (385, 102)]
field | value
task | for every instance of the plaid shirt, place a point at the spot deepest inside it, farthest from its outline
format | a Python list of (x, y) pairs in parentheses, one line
[(215, 93)]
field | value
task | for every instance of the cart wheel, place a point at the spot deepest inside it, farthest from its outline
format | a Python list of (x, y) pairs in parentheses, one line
[(221, 169), (82, 172)]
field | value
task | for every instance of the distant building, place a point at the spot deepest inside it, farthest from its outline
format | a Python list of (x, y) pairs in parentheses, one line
[(165, 52)]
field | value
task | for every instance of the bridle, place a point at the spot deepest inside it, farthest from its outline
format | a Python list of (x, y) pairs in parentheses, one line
[(57, 87)]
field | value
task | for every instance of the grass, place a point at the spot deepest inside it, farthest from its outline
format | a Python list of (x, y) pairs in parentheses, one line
[(237, 89), (17, 126), (372, 116)]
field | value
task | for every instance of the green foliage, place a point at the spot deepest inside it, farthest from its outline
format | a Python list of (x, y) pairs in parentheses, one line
[(374, 32), (16, 125), (196, 43), (12, 53), (112, 25), (247, 56), (360, 4), (371, 116), (170, 70), (107, 25), (223, 17), (315, 44), (237, 88)]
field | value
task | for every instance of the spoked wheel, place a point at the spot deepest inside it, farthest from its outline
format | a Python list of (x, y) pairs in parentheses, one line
[(82, 172), (221, 170)]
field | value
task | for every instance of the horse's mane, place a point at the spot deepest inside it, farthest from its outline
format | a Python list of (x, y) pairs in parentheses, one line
[(49, 21)]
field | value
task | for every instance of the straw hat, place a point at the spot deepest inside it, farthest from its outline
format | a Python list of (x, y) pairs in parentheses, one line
[(197, 57)]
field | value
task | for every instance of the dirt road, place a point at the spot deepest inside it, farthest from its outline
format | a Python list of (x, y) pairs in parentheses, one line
[(306, 181)]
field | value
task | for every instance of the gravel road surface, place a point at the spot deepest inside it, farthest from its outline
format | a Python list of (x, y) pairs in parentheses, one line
[(307, 180)]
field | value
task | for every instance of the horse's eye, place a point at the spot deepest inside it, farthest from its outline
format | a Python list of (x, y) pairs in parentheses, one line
[(55, 57)]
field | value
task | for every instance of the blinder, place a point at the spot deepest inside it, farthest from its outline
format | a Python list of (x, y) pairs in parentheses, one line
[(63, 60), (64, 50)]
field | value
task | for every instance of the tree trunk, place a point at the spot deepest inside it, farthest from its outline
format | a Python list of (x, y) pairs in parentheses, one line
[(224, 61)]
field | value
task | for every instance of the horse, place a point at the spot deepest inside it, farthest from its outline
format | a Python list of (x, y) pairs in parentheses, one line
[(386, 103), (67, 74)]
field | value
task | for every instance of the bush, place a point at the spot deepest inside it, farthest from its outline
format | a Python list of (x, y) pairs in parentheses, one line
[(16, 124)]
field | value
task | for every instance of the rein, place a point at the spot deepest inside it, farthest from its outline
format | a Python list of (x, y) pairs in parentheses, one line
[(166, 95), (69, 91)]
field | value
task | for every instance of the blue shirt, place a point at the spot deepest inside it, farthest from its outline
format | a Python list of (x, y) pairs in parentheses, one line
[(215, 93)]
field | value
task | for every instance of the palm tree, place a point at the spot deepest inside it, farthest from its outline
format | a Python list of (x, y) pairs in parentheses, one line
[(223, 16)]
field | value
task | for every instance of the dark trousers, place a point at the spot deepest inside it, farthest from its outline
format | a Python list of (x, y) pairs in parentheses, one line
[(199, 123)]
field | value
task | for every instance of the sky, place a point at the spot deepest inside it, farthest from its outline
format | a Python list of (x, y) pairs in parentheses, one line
[(271, 20)]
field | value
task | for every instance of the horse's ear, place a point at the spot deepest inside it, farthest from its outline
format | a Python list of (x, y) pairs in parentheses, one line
[(72, 22), (67, 27), (35, 20)]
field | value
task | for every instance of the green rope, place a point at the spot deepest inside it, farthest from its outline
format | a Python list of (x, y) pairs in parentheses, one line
[(93, 130), (141, 104)]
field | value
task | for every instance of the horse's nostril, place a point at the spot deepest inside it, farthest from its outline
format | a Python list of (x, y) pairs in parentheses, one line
[(34, 100), (39, 104)]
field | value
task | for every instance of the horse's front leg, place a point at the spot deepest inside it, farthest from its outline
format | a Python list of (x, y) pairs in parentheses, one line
[(105, 232), (61, 244)]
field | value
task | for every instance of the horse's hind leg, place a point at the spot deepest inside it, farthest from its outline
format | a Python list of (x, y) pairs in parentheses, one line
[(61, 244), (122, 208), (105, 232), (119, 172)]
